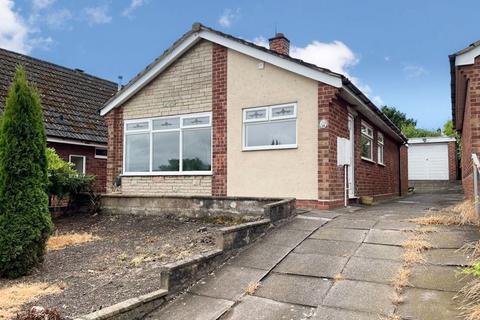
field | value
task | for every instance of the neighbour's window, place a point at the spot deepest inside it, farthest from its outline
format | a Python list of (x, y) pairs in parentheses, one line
[(380, 143), (273, 127), (78, 163), (169, 145), (101, 153), (367, 141)]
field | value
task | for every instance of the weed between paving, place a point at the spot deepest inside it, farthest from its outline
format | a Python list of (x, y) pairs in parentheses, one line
[(122, 262)]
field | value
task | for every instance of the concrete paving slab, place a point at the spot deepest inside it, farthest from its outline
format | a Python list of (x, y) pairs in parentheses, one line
[(307, 291), (262, 255), (322, 214), (339, 234), (378, 251), (360, 296), (434, 277), (351, 224), (314, 265), (447, 257), (286, 237), (327, 247), (373, 270), (305, 224), (228, 283), (190, 306), (429, 305), (395, 225), (453, 239), (387, 237), (325, 313), (256, 308)]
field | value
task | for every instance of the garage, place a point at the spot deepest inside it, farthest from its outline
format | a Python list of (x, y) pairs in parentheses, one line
[(428, 158)]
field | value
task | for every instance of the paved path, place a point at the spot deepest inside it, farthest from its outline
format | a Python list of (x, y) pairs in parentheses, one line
[(298, 264)]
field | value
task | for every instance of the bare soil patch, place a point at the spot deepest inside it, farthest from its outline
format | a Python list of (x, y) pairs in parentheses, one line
[(101, 260)]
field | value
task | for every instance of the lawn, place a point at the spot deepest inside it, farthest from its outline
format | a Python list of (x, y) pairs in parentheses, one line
[(95, 261)]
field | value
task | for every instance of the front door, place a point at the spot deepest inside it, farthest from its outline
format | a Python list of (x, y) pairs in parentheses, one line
[(351, 167)]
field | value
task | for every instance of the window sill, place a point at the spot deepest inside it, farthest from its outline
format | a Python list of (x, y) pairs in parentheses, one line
[(270, 148), (156, 174), (381, 164), (368, 160)]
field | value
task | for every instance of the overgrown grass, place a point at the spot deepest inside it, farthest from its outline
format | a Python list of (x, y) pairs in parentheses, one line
[(460, 214), (251, 288), (13, 297), (57, 242)]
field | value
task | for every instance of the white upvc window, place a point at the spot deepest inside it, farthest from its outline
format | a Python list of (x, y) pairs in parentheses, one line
[(270, 127), (173, 145), (101, 153), (367, 142), (380, 148), (79, 163)]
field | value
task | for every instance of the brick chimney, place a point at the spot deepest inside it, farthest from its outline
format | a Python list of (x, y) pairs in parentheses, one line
[(280, 44)]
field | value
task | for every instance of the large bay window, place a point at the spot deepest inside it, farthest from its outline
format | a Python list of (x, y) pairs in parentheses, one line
[(367, 142), (273, 127), (169, 145)]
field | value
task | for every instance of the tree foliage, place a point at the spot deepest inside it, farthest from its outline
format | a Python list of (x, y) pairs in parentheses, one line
[(25, 222), (408, 125)]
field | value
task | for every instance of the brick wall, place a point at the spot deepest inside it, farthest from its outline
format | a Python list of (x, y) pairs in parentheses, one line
[(114, 122), (168, 185), (184, 87), (93, 166), (371, 178), (452, 161), (219, 121)]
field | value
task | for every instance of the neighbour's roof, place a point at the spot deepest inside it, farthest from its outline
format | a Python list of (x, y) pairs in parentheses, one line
[(452, 58), (70, 98), (210, 34)]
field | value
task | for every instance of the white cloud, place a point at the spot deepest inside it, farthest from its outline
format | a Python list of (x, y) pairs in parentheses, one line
[(58, 19), (414, 71), (335, 56), (13, 30), (378, 101), (42, 4), (228, 17), (134, 5), (261, 41), (97, 15)]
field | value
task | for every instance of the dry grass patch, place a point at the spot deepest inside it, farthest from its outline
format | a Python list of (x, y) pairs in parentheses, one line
[(13, 297), (413, 256), (251, 288), (460, 214), (417, 243), (338, 277), (58, 242), (400, 280)]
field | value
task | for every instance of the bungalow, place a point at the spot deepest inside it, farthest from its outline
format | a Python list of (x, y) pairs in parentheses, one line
[(216, 115), (70, 100), (465, 93)]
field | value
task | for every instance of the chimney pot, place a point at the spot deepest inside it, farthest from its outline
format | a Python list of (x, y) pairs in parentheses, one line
[(280, 44)]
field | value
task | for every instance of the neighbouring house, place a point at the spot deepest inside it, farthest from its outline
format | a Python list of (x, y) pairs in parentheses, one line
[(465, 93), (216, 115), (432, 161), (70, 102)]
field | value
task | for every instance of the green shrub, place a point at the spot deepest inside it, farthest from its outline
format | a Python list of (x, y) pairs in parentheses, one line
[(474, 270), (25, 222)]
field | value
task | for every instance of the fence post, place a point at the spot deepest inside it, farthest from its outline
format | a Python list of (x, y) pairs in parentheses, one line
[(475, 184)]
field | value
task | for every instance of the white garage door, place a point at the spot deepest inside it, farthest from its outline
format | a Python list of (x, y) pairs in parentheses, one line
[(428, 161)]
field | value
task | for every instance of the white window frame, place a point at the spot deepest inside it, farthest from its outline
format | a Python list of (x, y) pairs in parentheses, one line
[(84, 161), (180, 129), (100, 156), (269, 118), (380, 146), (368, 136)]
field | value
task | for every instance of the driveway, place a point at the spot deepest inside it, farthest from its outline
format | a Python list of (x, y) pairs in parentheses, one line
[(339, 264)]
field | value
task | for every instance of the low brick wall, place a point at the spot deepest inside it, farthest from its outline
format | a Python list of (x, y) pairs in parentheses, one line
[(199, 206)]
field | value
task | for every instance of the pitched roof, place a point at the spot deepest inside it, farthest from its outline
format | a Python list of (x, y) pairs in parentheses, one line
[(70, 98), (200, 31)]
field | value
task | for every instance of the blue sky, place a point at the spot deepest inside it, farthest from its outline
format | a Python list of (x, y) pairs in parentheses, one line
[(395, 51)]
